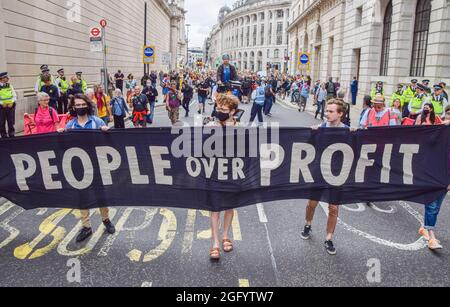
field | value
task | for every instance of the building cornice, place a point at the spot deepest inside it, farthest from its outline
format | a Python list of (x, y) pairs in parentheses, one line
[(252, 7)]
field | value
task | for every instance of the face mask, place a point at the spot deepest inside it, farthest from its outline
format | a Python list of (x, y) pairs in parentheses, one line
[(82, 111), (223, 116), (426, 112)]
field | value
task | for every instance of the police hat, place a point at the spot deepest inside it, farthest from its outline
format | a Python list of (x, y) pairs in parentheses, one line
[(422, 87), (380, 83), (44, 68), (3, 74), (61, 70), (400, 85), (426, 81), (226, 57), (437, 87), (79, 73), (414, 81)]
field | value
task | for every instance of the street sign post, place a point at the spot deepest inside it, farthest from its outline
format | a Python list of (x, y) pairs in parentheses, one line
[(304, 61), (95, 39), (149, 55)]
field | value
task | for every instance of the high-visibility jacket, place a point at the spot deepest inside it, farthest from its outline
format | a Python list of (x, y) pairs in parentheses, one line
[(384, 121), (7, 95), (408, 94), (63, 84), (417, 103), (397, 95), (375, 91), (84, 86), (439, 104), (40, 84)]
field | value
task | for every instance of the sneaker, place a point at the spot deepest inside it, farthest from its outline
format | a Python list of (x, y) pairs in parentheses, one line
[(109, 227), (329, 246), (424, 234), (306, 234), (84, 234), (434, 245)]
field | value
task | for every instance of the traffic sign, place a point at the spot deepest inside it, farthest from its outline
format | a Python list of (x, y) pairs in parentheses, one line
[(149, 55), (304, 61), (95, 32), (103, 23)]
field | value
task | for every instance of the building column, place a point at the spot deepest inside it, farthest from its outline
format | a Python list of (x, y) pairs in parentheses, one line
[(3, 66), (174, 23), (438, 57)]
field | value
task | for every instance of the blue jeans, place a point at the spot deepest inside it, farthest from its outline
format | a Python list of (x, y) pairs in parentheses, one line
[(202, 99), (432, 211), (320, 109), (268, 105)]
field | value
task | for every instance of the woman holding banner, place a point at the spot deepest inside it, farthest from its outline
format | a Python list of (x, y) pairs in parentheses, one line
[(45, 117), (335, 113), (227, 106), (429, 118)]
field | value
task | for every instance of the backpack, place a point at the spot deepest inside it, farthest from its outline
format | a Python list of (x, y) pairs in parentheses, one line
[(331, 88), (50, 109)]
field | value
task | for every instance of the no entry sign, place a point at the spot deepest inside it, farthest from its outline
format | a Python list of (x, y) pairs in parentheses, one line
[(103, 23), (95, 32)]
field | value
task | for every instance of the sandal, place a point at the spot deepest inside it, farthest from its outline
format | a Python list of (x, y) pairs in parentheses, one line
[(227, 245), (214, 253)]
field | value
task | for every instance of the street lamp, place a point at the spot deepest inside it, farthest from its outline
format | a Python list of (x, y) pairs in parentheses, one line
[(187, 44)]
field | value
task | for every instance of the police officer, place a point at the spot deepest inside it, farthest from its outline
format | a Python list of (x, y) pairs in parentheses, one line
[(8, 100), (444, 85), (416, 105), (426, 83), (64, 86), (378, 89), (83, 82), (398, 95), (439, 101), (39, 83), (409, 92)]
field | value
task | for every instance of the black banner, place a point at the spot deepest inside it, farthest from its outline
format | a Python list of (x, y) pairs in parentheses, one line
[(215, 169)]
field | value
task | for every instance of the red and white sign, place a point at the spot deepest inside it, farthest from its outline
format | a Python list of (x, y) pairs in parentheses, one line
[(103, 23), (95, 32)]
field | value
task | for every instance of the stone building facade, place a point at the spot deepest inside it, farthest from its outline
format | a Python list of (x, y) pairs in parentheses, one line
[(56, 32), (253, 33), (392, 41)]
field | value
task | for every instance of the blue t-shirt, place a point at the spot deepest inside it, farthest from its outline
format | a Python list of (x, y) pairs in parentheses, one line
[(93, 123), (226, 74)]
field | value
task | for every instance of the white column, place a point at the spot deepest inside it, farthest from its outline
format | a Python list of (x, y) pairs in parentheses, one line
[(3, 66), (438, 55)]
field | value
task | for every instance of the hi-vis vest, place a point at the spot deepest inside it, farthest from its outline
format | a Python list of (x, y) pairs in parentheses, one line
[(417, 103), (84, 86), (41, 84), (398, 96), (438, 104), (260, 96), (408, 94), (384, 121), (6, 95), (63, 84)]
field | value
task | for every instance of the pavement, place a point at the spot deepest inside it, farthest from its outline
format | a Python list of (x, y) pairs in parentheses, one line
[(159, 247)]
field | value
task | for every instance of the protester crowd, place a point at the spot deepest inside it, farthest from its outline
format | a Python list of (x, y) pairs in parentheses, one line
[(127, 98)]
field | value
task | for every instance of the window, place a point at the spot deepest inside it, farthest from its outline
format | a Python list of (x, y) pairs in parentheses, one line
[(280, 33), (268, 53), (276, 53), (386, 44), (255, 31), (280, 13), (262, 34), (359, 13), (420, 40), (270, 34)]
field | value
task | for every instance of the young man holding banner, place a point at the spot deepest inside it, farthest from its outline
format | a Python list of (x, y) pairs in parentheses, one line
[(83, 110), (335, 112)]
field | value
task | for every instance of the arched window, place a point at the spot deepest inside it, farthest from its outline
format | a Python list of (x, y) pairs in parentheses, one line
[(276, 53), (420, 40), (386, 44)]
